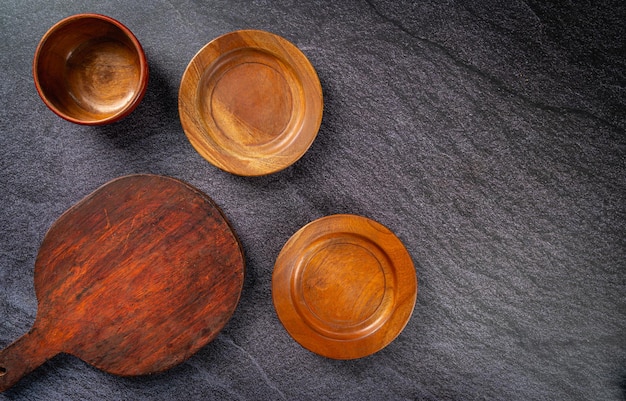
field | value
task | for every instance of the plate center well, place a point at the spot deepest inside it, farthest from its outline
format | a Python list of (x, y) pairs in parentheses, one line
[(251, 103), (343, 284)]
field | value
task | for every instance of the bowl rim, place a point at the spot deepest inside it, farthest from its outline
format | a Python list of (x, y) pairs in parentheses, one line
[(143, 67)]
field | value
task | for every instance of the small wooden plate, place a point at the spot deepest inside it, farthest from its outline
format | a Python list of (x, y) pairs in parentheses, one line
[(250, 103), (344, 286)]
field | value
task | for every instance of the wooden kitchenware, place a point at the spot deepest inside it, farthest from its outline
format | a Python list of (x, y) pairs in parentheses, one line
[(250, 103), (90, 69), (344, 286), (133, 279)]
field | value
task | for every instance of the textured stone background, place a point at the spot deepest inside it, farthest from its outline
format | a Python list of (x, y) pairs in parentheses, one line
[(489, 136)]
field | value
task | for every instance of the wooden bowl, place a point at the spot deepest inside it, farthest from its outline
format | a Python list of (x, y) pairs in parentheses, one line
[(90, 69), (250, 103), (344, 286)]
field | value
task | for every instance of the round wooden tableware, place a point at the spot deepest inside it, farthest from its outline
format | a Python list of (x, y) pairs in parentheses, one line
[(133, 279), (90, 69), (250, 103), (344, 286)]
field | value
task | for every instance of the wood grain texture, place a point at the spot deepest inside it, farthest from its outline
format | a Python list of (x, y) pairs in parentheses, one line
[(344, 286), (90, 69), (133, 279), (250, 103)]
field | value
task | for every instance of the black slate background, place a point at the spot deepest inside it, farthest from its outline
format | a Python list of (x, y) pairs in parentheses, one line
[(489, 136)]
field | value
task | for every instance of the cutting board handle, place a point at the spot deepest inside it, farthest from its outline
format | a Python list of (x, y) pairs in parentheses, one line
[(22, 357)]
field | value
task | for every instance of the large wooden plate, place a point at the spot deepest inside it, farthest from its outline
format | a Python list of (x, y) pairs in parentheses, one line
[(250, 103), (344, 286)]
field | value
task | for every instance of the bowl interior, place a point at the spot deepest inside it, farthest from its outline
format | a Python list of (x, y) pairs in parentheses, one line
[(89, 70)]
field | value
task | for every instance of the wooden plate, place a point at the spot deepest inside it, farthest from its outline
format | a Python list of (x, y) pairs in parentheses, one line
[(250, 103), (133, 279), (344, 286)]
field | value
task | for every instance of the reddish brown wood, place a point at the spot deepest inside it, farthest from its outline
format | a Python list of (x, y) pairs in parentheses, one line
[(133, 279), (250, 103), (344, 286), (90, 69)]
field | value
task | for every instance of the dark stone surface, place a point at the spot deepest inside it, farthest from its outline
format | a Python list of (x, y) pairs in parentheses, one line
[(489, 136)]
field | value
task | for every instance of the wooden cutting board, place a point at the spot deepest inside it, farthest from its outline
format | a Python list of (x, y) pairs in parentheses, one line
[(133, 279)]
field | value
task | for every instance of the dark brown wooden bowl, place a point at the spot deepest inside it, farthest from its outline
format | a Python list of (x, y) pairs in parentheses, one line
[(90, 69)]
